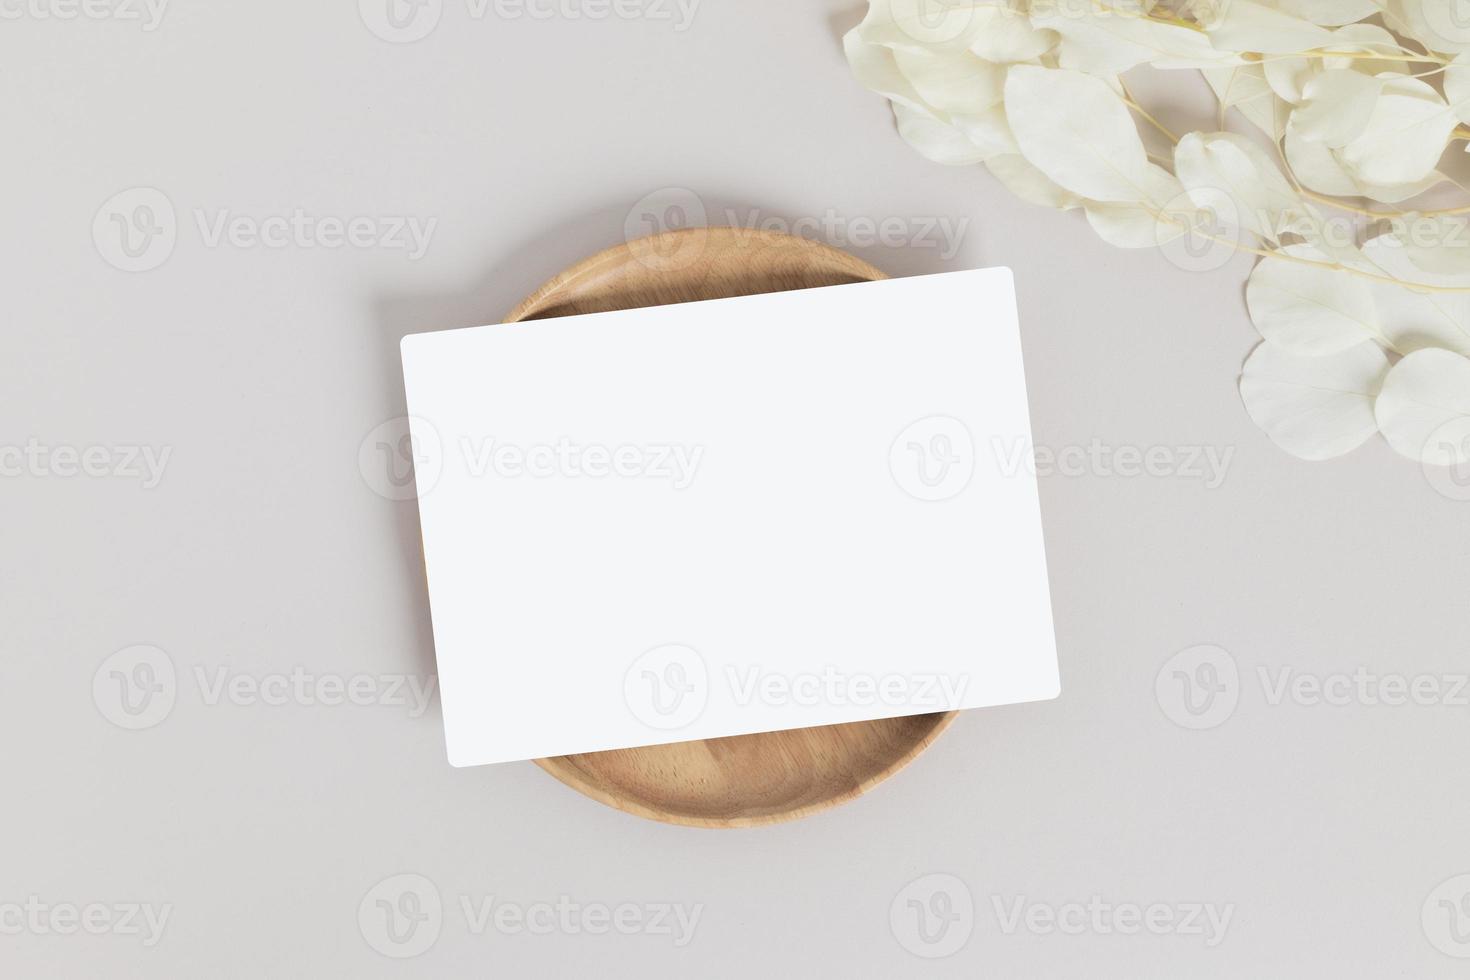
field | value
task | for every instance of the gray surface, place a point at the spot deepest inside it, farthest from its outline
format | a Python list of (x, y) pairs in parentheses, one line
[(262, 549)]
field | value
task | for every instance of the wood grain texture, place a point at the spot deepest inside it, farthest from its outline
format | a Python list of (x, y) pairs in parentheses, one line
[(746, 780)]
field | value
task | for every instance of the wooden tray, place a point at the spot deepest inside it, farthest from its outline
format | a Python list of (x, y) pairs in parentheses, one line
[(746, 780)]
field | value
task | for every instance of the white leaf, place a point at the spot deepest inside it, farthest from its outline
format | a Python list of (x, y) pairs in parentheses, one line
[(1235, 179), (1244, 87), (1313, 407), (1405, 135), (874, 66), (1140, 225), (1457, 86), (988, 131), (1425, 398), (1249, 26), (1077, 131), (1288, 76), (952, 81), (1336, 106), (1237, 84), (1319, 169), (1030, 184), (934, 138), (1316, 167), (1107, 41), (1006, 36), (1410, 319), (1361, 39), (1309, 309), (1438, 244)]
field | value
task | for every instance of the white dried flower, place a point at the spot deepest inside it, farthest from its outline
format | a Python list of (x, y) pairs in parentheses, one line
[(1364, 306)]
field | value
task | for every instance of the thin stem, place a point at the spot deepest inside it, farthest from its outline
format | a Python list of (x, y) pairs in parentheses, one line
[(1355, 55), (1344, 206), (1168, 133)]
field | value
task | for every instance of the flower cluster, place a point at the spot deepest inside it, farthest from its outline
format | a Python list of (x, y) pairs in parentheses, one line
[(1350, 107)]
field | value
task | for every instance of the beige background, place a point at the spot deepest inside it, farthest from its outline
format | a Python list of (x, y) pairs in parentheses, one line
[(263, 548)]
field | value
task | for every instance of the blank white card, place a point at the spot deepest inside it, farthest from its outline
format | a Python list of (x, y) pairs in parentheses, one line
[(727, 517)]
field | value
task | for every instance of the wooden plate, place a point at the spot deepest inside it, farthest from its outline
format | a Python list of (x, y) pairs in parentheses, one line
[(746, 780)]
